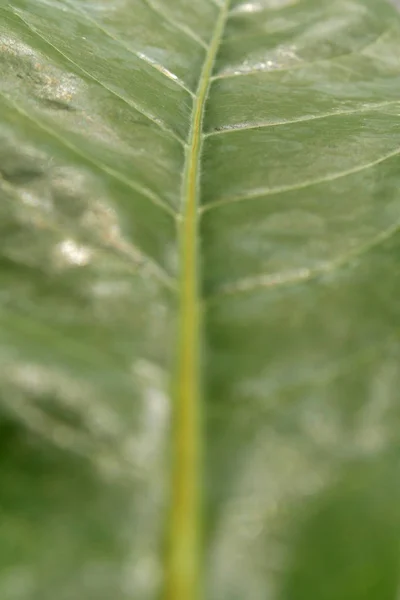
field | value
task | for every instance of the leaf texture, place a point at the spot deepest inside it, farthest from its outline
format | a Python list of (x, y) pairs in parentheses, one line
[(199, 350)]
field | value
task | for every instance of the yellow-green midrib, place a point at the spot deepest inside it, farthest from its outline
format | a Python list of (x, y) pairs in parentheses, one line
[(184, 558)]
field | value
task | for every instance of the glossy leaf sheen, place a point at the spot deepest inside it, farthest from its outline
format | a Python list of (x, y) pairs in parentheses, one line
[(199, 287)]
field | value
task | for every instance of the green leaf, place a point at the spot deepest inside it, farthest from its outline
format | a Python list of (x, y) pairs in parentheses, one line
[(199, 283)]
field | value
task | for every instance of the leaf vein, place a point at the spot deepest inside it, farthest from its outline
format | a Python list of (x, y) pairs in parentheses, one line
[(177, 25), (260, 193), (140, 55), (111, 172), (303, 274), (304, 64), (183, 566), (133, 105), (129, 250), (303, 119)]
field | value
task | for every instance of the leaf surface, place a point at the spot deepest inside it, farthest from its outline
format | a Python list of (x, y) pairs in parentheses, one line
[(199, 351)]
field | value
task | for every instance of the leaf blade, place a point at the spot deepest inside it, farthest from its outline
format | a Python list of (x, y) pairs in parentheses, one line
[(297, 340)]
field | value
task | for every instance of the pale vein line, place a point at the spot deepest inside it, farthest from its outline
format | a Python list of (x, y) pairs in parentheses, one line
[(336, 370), (183, 561), (177, 25), (140, 259), (260, 193), (131, 104), (380, 36), (140, 55), (303, 64), (110, 171), (264, 125), (302, 275), (135, 255)]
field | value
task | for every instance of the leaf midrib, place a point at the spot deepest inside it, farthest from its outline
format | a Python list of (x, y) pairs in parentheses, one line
[(182, 580)]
